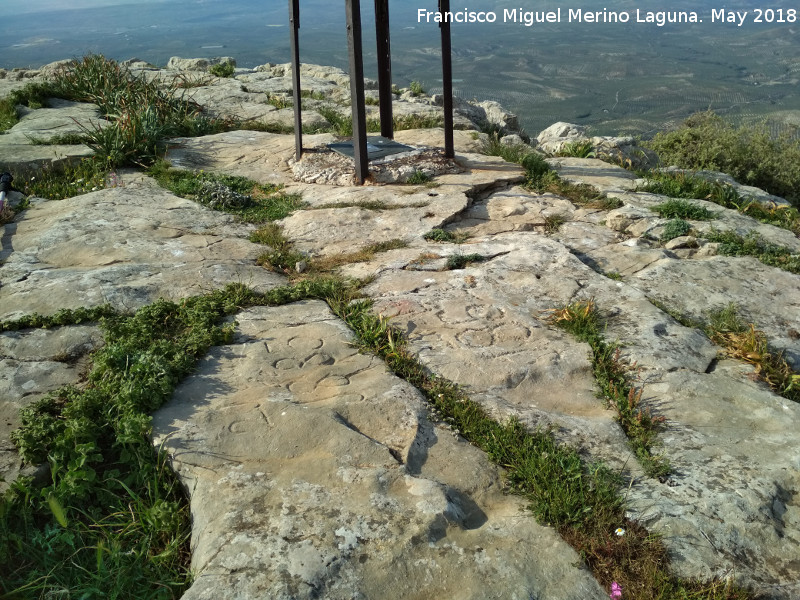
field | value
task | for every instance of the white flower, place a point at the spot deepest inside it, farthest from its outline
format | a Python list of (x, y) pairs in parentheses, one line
[(619, 531)]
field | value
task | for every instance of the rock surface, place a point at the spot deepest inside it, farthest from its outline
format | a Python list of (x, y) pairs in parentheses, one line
[(126, 246), (316, 473), (313, 472)]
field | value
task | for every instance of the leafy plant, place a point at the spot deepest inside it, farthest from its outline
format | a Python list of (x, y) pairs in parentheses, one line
[(733, 244), (578, 149), (419, 177), (63, 180), (682, 185), (223, 70), (312, 95), (342, 125), (442, 235), (681, 209), (743, 341), (459, 261), (32, 95), (279, 101), (416, 88), (252, 202), (413, 121), (552, 223), (675, 228)]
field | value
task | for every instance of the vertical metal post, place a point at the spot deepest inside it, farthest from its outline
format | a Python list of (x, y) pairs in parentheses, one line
[(294, 42), (353, 9), (447, 80), (384, 67)]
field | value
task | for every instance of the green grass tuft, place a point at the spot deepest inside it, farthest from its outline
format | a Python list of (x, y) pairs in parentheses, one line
[(675, 228), (442, 235), (223, 70), (681, 209), (460, 261), (418, 178), (733, 244), (267, 201), (577, 149)]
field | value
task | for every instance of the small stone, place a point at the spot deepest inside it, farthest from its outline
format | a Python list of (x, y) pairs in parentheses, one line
[(683, 241)]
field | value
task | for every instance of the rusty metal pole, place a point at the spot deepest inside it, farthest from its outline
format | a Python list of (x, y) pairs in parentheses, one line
[(447, 80), (294, 42), (353, 9), (384, 67)]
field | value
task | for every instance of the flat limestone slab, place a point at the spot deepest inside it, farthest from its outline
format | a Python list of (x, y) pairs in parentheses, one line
[(313, 472), (127, 246), (766, 296)]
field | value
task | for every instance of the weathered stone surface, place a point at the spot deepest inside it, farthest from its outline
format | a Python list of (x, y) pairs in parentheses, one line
[(59, 118), (17, 147), (177, 63), (607, 178), (126, 246), (33, 363), (313, 473), (766, 296), (330, 461), (731, 507), (624, 151)]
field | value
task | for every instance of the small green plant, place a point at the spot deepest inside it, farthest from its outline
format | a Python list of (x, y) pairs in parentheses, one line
[(743, 341), (416, 88), (252, 202), (342, 125), (581, 194), (66, 139), (681, 209), (416, 122), (418, 178), (675, 228), (279, 101), (552, 223), (459, 261), (330, 263), (614, 275), (312, 95), (733, 244), (371, 101), (222, 69), (32, 95), (679, 185), (442, 235), (281, 257), (578, 149)]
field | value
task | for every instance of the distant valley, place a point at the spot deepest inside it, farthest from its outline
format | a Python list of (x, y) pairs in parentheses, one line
[(616, 78)]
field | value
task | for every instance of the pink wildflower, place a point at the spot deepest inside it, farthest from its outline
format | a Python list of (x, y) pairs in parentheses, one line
[(616, 591)]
